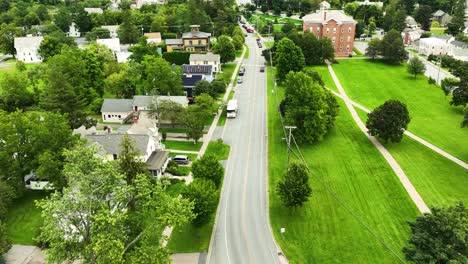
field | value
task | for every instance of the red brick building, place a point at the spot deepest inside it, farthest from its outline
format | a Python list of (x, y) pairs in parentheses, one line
[(335, 25)]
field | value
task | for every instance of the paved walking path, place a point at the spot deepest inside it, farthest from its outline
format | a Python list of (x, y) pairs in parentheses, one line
[(413, 136), (413, 193)]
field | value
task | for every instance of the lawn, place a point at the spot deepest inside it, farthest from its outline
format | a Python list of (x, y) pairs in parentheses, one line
[(24, 219), (323, 231), (175, 188), (277, 27), (189, 238), (219, 149), (247, 51), (438, 31), (182, 145), (228, 70), (432, 118)]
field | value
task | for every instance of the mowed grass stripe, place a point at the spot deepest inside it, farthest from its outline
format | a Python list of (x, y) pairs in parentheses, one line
[(323, 231), (432, 118)]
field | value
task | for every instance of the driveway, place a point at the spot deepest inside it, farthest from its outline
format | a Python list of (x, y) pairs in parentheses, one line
[(242, 233)]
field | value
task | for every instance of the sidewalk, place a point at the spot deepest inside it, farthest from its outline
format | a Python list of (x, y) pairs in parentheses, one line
[(413, 193)]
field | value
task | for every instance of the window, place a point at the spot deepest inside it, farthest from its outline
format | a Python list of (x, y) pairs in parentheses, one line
[(333, 39), (109, 116), (341, 49), (347, 47), (318, 29), (349, 30), (114, 156), (310, 29), (190, 42), (334, 30), (349, 38), (328, 30), (205, 62), (199, 42), (341, 39), (342, 30), (120, 116)]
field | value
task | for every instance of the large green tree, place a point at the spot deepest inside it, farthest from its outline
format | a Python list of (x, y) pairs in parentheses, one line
[(457, 24), (423, 15), (194, 122), (210, 168), (140, 50), (373, 48), (289, 57), (128, 31), (63, 19), (225, 48), (388, 121), (309, 107), (5, 243), (439, 237), (8, 32), (416, 66), (129, 160), (91, 220), (160, 77), (168, 110), (311, 48), (204, 195), (293, 188), (53, 44), (392, 47), (14, 93), (124, 82)]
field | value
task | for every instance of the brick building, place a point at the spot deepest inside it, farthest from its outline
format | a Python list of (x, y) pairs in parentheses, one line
[(335, 25)]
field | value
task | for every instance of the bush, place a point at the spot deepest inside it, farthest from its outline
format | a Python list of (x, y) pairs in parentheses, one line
[(177, 57), (426, 35), (208, 167), (431, 80), (435, 24), (168, 35), (432, 57), (205, 196), (164, 135)]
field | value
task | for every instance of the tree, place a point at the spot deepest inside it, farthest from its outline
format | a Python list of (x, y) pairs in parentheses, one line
[(26, 145), (392, 48), (388, 121), (464, 123), (14, 92), (309, 107), (97, 33), (142, 49), (416, 66), (293, 188), (194, 122), (91, 220), (225, 48), (238, 42), (373, 48), (205, 104), (423, 15), (54, 43), (7, 194), (208, 167), (204, 195), (288, 27), (328, 52), (128, 32), (129, 160), (5, 243), (63, 19), (439, 237), (459, 96), (289, 57), (83, 21), (457, 24), (124, 83), (204, 87), (167, 110), (311, 48), (8, 32), (160, 77), (42, 12)]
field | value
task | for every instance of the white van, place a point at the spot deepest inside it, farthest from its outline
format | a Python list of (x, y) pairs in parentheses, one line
[(231, 108)]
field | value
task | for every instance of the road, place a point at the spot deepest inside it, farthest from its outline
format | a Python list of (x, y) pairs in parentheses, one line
[(433, 70), (242, 233)]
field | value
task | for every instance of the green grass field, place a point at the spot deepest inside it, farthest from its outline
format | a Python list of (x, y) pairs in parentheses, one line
[(182, 145), (323, 231), (24, 219), (189, 238), (432, 118), (219, 149), (228, 70)]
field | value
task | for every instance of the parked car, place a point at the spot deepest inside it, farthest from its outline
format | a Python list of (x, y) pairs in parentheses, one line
[(262, 68), (259, 44), (250, 30), (258, 39), (241, 71), (239, 80), (181, 159)]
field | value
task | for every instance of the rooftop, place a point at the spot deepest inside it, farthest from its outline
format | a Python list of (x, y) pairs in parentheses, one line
[(323, 16), (204, 57), (196, 34), (117, 105), (111, 142), (438, 13), (194, 69), (153, 35), (126, 105), (157, 159), (28, 42), (174, 41), (191, 81)]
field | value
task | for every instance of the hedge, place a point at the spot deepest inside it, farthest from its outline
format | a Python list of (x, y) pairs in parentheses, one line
[(177, 57)]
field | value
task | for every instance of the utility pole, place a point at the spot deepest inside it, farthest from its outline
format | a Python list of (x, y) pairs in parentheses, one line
[(289, 139)]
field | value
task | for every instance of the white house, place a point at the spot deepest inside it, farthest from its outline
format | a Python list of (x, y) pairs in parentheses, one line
[(113, 30), (123, 56), (324, 5), (206, 59), (125, 110), (153, 38), (436, 45), (410, 35), (411, 22), (458, 50), (73, 31), (93, 10), (27, 48), (112, 43)]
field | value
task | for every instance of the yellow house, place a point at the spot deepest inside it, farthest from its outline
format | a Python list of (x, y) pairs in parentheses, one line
[(195, 40)]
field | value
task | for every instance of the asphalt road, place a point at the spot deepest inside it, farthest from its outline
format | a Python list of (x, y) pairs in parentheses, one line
[(242, 233)]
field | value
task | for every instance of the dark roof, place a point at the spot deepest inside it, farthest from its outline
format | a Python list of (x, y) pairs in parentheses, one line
[(202, 69), (111, 142), (117, 105), (191, 81), (460, 44), (197, 34), (438, 13), (157, 159)]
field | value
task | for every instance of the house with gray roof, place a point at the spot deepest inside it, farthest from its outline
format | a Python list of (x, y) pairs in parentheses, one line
[(27, 48), (174, 45), (127, 110), (93, 10), (206, 59), (441, 17)]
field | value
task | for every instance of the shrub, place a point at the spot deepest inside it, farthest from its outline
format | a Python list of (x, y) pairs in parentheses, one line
[(177, 57), (431, 80), (426, 35)]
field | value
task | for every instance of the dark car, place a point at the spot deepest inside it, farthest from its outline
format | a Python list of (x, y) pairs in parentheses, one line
[(258, 39), (181, 159), (259, 44), (241, 71), (262, 69)]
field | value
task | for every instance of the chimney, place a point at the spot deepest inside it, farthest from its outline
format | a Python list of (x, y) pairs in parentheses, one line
[(194, 28), (324, 15)]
